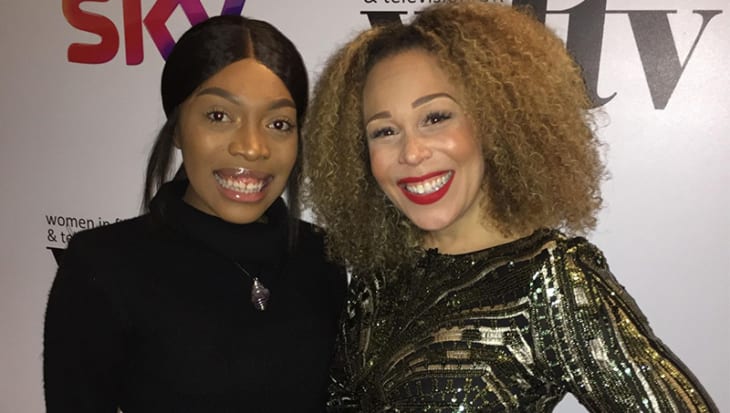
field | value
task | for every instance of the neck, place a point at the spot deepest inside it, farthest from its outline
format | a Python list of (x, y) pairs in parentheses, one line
[(474, 238)]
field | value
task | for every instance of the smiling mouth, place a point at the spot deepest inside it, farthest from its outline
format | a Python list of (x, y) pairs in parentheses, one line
[(427, 189), (242, 180), (428, 186)]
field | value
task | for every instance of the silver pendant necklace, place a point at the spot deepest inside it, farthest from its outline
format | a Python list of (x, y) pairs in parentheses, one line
[(259, 293)]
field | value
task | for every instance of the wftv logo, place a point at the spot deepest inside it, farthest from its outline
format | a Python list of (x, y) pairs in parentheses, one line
[(154, 22), (650, 28)]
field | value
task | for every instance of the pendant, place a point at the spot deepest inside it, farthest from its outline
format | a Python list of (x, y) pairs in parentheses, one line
[(259, 295)]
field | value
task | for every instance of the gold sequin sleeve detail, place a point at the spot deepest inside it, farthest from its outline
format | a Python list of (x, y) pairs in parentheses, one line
[(610, 358)]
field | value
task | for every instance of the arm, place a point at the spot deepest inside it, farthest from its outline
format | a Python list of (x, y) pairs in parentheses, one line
[(342, 398), (614, 361), (82, 341)]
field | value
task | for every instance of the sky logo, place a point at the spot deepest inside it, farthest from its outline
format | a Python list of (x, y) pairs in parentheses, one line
[(133, 27)]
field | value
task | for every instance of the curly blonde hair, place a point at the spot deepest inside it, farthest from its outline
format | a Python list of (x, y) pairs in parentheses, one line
[(526, 98)]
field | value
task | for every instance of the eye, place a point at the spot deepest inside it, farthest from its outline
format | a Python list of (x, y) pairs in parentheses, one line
[(217, 116), (379, 133), (436, 117), (281, 125)]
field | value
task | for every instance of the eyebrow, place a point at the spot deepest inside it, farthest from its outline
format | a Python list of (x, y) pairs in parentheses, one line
[(416, 103), (425, 99), (282, 103), (220, 92), (216, 91), (380, 115)]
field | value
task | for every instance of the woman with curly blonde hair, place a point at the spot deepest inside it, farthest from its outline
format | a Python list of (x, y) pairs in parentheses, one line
[(453, 162)]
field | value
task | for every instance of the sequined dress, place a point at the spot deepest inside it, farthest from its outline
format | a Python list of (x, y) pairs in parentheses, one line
[(507, 329)]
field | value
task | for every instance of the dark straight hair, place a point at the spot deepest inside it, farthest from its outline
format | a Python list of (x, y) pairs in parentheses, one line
[(203, 51)]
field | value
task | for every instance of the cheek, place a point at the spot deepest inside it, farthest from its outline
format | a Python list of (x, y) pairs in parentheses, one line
[(466, 148), (187, 129), (287, 153), (194, 148), (474, 160), (189, 134), (378, 164)]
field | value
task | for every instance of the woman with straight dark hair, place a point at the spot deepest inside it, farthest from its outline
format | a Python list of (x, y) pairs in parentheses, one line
[(219, 298)]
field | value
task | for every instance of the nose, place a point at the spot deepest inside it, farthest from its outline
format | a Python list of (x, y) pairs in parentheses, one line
[(414, 149), (249, 142)]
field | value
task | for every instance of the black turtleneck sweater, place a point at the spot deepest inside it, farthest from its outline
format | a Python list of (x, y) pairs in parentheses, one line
[(152, 315)]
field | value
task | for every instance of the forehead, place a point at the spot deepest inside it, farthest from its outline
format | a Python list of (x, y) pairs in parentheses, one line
[(248, 78), (408, 75)]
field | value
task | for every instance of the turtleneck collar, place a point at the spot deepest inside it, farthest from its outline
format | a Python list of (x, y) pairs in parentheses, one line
[(260, 244)]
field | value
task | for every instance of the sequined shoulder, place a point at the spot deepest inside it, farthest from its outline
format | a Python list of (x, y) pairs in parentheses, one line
[(589, 266), (597, 343)]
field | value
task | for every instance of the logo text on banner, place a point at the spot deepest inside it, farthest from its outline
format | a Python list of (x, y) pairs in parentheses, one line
[(154, 21), (651, 30)]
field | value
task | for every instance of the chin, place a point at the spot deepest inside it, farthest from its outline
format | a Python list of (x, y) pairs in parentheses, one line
[(241, 217), (429, 224), (240, 221)]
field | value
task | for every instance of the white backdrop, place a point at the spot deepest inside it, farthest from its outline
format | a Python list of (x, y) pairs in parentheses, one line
[(75, 138)]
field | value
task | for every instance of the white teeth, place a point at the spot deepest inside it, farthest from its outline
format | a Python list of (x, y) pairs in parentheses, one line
[(238, 186), (430, 186)]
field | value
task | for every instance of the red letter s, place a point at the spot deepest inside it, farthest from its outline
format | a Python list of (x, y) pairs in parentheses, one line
[(101, 52)]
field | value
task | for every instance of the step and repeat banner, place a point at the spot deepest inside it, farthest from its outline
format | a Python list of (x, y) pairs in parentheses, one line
[(81, 107)]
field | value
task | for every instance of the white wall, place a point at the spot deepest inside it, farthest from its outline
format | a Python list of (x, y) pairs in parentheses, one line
[(75, 138)]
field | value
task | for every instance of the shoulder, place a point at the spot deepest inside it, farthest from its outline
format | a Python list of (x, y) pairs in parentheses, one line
[(311, 247), (104, 243), (114, 234), (588, 280), (321, 273), (310, 236), (579, 252), (582, 261), (83, 269), (311, 244)]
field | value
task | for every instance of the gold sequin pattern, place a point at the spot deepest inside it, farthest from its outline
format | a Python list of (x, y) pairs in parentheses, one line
[(507, 329)]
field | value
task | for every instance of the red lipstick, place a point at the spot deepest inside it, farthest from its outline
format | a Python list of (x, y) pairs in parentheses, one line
[(430, 198)]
